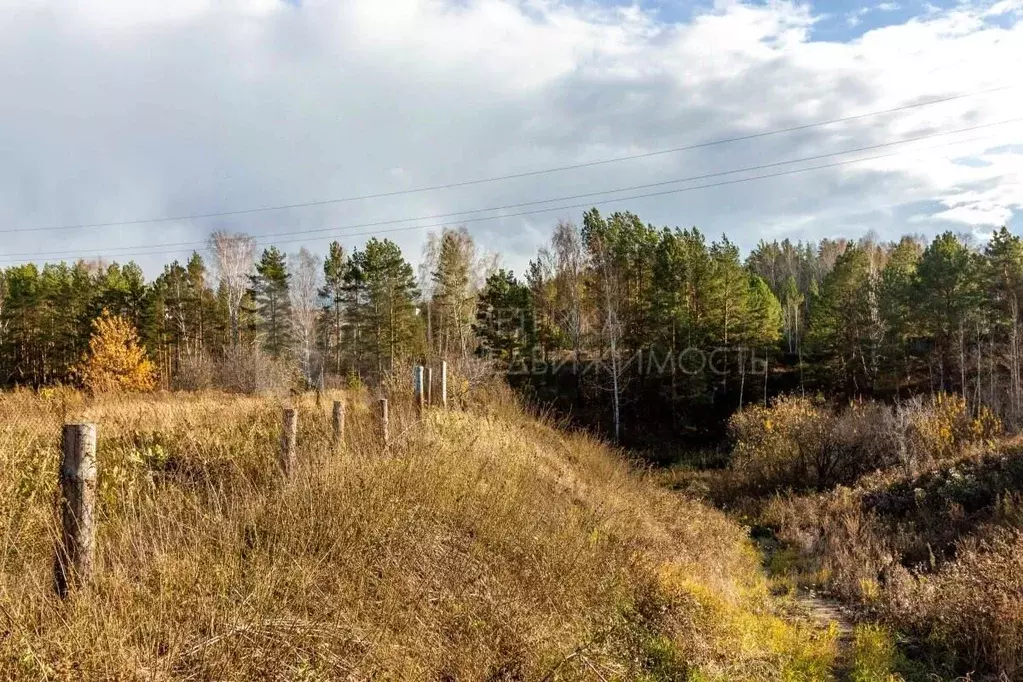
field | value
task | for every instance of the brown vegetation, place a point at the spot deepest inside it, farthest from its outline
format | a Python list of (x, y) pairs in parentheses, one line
[(479, 546), (916, 518)]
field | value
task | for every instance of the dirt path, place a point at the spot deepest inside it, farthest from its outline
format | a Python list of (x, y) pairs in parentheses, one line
[(823, 611), (819, 610)]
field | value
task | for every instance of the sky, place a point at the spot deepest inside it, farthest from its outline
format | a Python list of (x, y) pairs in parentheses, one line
[(121, 111)]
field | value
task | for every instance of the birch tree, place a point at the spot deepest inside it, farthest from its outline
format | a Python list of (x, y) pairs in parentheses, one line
[(235, 256), (304, 293)]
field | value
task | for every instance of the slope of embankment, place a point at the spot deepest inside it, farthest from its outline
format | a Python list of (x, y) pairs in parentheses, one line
[(482, 544)]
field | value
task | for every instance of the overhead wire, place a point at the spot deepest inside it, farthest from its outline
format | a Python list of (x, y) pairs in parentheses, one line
[(334, 232), (510, 176)]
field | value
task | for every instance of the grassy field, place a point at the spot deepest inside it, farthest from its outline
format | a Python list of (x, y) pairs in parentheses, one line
[(483, 544)]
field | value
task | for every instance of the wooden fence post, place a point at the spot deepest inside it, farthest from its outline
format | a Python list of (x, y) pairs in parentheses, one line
[(419, 388), (339, 422), (289, 434), (75, 554), (444, 384), (429, 386), (384, 426)]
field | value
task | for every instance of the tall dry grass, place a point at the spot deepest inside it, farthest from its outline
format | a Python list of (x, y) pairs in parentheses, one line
[(919, 520), (482, 545)]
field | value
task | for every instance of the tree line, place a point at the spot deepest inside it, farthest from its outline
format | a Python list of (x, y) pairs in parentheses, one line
[(615, 313), (670, 325), (350, 314)]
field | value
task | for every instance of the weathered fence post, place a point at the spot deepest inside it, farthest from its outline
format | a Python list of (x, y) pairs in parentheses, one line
[(429, 386), (384, 426), (339, 422), (444, 384), (289, 434), (419, 388), (76, 551)]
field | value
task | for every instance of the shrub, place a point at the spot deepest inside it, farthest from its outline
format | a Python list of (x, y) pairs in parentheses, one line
[(973, 606), (803, 444), (938, 555), (240, 369), (245, 369), (938, 428), (799, 443), (774, 446), (115, 360), (196, 373)]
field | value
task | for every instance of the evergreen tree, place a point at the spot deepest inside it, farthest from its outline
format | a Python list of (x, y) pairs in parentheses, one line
[(763, 314), (270, 302), (669, 309), (336, 270), (947, 296), (897, 299), (505, 320), (388, 313), (728, 292), (1004, 279), (24, 359), (207, 326), (840, 320)]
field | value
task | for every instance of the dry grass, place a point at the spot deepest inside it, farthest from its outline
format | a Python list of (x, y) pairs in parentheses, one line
[(482, 545), (933, 549)]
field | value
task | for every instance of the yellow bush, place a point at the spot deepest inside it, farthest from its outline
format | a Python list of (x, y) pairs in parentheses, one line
[(781, 445), (116, 361), (941, 428), (802, 443)]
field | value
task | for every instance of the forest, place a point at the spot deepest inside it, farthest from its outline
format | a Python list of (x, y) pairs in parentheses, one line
[(639, 330)]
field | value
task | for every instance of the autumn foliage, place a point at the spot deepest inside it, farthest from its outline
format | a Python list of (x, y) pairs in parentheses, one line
[(116, 361)]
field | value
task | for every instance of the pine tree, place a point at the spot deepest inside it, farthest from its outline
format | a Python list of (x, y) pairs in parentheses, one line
[(762, 326), (271, 304), (897, 300), (505, 320), (24, 358), (1004, 280), (387, 312), (728, 292), (336, 269), (839, 325), (206, 328), (947, 296), (669, 308)]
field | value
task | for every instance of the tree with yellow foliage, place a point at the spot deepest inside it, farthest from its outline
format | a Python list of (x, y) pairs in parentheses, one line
[(116, 361)]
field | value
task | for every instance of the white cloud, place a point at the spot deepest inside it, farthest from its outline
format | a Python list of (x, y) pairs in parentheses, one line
[(1005, 7), (130, 110)]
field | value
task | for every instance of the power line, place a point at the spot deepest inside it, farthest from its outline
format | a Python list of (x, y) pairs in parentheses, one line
[(164, 248), (174, 247), (512, 176)]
